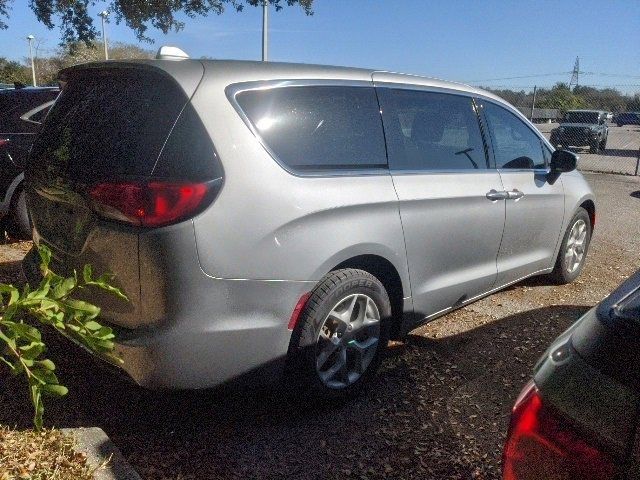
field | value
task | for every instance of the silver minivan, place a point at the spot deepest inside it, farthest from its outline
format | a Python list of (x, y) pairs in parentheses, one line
[(292, 216)]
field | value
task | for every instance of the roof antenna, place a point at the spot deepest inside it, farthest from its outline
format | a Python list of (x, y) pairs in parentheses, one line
[(168, 52)]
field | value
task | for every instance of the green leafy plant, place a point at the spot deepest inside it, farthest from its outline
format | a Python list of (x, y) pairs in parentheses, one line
[(53, 303)]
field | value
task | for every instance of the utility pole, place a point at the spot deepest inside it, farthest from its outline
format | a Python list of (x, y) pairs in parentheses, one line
[(575, 74), (33, 65), (265, 30), (533, 104), (104, 14)]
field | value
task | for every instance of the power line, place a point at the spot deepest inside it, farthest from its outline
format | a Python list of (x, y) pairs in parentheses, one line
[(611, 74), (548, 87), (516, 78), (580, 72)]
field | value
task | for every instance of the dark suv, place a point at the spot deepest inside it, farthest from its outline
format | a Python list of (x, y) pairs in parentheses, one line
[(581, 128), (21, 112), (628, 118)]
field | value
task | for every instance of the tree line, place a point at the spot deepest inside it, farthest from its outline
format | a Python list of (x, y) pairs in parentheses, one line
[(47, 68), (564, 98)]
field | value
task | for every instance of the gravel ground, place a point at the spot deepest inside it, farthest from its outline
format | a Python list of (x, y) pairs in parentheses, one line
[(439, 408)]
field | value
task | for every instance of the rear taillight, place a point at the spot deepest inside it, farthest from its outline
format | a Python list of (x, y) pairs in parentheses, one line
[(541, 444), (4, 141), (148, 204)]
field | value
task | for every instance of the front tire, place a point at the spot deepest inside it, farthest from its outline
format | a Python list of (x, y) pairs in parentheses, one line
[(573, 251), (342, 334)]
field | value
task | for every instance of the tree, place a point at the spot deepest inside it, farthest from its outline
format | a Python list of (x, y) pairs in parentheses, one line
[(54, 303), (563, 98), (11, 72), (77, 25), (47, 68)]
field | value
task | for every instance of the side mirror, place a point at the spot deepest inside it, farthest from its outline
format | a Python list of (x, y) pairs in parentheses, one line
[(563, 161)]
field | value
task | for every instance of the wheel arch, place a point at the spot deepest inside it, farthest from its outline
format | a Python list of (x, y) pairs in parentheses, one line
[(387, 273), (7, 202), (590, 206)]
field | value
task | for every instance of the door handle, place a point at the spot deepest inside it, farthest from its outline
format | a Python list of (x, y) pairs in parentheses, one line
[(515, 194), (494, 195)]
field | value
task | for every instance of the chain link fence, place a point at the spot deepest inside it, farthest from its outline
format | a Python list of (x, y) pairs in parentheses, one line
[(600, 123)]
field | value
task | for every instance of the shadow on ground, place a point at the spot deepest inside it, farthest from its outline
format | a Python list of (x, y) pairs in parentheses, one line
[(438, 409), (618, 152)]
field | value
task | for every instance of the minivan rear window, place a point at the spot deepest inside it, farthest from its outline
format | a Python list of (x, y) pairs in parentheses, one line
[(318, 127), (108, 122)]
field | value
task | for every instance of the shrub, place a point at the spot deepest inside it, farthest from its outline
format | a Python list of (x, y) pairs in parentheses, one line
[(53, 303)]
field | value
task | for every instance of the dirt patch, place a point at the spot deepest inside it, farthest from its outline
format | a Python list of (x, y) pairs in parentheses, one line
[(47, 454), (11, 255)]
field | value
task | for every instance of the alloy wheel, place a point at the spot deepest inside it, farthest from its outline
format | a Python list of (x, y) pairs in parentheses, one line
[(348, 341), (576, 246)]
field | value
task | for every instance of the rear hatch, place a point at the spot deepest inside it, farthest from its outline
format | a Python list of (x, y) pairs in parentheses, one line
[(104, 139)]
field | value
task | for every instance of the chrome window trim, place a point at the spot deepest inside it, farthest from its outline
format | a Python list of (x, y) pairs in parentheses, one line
[(27, 116), (423, 88), (535, 171), (233, 90), (451, 171)]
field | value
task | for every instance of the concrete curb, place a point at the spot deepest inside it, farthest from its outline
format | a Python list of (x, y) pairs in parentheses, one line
[(99, 448)]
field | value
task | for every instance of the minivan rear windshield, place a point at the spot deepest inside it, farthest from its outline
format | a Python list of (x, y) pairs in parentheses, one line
[(581, 117), (108, 122)]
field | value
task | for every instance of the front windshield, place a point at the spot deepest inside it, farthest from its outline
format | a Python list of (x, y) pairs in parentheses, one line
[(581, 117)]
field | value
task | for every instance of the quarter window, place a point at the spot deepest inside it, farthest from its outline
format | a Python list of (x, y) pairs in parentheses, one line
[(514, 144), (431, 131), (318, 127)]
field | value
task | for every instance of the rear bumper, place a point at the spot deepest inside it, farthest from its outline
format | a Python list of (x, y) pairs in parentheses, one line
[(240, 327), (224, 329)]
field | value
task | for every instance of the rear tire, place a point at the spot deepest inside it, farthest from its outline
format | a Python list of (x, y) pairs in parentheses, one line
[(19, 221), (341, 335), (573, 250), (594, 147)]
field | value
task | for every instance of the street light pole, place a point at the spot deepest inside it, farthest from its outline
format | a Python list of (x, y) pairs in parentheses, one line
[(104, 14), (265, 30), (33, 65)]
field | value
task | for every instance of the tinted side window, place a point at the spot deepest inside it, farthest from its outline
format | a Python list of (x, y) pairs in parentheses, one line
[(431, 131), (189, 152), (318, 127), (514, 144)]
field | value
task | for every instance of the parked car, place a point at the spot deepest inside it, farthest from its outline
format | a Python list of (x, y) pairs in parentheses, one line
[(21, 112), (578, 417), (293, 216), (581, 128), (627, 118)]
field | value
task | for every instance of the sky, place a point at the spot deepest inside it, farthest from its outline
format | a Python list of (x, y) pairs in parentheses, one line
[(478, 42)]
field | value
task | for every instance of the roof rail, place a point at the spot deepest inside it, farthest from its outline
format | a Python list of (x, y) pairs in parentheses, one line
[(168, 52)]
